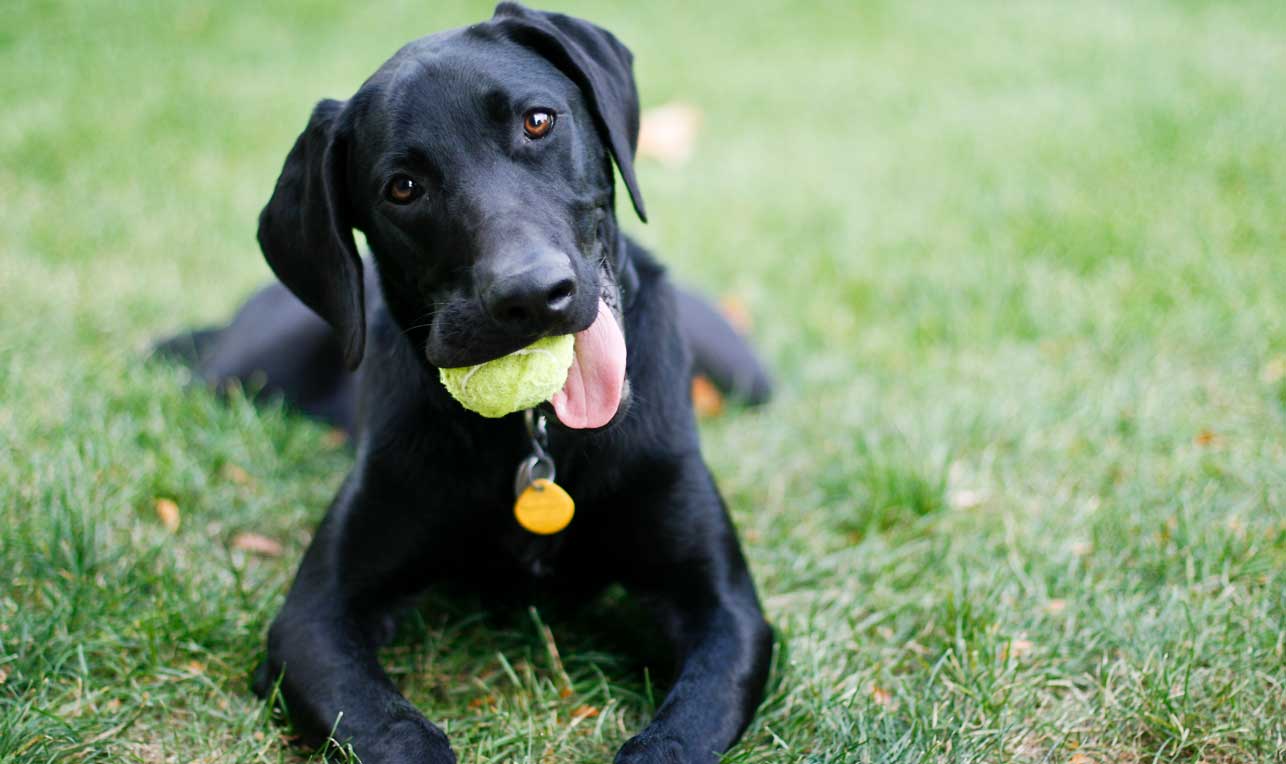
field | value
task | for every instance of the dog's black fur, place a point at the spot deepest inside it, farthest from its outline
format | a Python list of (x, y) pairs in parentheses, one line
[(504, 220)]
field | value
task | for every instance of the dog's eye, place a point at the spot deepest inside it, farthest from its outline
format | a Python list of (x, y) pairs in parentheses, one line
[(537, 123), (403, 189)]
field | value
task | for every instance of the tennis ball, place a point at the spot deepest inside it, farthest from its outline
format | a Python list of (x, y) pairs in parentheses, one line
[(514, 382)]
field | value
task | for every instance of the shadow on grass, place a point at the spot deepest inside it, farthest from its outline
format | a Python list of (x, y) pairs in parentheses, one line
[(458, 642)]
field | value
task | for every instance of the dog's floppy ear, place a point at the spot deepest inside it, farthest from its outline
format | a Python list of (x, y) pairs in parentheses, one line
[(306, 232), (599, 64)]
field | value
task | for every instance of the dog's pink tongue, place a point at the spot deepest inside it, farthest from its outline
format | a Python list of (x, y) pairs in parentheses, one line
[(597, 376)]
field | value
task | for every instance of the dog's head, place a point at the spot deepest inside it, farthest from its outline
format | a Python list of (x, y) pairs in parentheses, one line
[(478, 163)]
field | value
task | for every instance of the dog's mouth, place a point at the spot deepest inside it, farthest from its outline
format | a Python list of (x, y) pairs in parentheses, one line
[(595, 388), (596, 380)]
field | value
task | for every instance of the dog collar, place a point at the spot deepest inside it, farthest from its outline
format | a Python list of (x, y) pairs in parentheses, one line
[(540, 505)]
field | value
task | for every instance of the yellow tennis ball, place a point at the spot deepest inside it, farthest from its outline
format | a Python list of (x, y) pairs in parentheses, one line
[(514, 382)]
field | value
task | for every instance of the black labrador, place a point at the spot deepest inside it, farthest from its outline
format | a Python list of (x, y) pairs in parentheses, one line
[(478, 163)]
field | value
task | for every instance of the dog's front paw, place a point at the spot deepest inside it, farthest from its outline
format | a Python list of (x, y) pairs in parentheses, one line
[(655, 749), (406, 741)]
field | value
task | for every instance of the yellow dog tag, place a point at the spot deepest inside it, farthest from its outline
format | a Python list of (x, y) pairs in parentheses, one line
[(544, 507)]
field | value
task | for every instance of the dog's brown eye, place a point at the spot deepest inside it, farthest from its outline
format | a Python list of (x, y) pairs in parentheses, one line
[(403, 189), (537, 123)]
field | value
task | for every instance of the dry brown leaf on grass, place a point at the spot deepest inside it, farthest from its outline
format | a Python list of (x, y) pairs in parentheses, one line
[(964, 498), (917, 648), (584, 712), (706, 398), (881, 696), (235, 474), (668, 133), (4, 674), (167, 511), (1274, 370), (256, 543), (334, 438), (737, 312), (1018, 648)]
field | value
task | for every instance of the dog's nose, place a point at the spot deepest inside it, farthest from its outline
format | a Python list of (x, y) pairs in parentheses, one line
[(533, 296)]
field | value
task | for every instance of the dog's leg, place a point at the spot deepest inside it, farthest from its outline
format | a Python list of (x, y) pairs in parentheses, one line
[(365, 557), (274, 346), (701, 588)]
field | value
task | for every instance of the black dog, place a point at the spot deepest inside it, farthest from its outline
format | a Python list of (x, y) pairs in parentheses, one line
[(478, 163)]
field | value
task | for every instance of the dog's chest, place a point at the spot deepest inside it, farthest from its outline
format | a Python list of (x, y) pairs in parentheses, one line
[(537, 558), (522, 559), (477, 481)]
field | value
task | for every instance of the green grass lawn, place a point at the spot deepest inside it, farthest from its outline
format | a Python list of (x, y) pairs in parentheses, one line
[(1021, 271)]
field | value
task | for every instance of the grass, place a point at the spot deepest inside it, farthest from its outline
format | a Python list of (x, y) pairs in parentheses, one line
[(1021, 270)]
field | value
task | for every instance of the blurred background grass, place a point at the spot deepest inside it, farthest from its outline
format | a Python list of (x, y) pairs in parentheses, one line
[(1021, 270)]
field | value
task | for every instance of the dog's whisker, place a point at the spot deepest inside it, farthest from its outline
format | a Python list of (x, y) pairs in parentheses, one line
[(413, 327), (425, 321)]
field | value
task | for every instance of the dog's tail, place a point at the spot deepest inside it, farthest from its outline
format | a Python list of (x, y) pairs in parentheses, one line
[(720, 352)]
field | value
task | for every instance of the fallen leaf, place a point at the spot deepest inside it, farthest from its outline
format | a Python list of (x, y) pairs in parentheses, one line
[(334, 438), (256, 543), (1080, 758), (881, 696), (917, 648), (706, 398), (585, 712), (963, 498), (1018, 648), (236, 474), (4, 674), (1206, 438), (735, 310), (1274, 370), (565, 692), (668, 133), (486, 700), (168, 513), (195, 667)]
